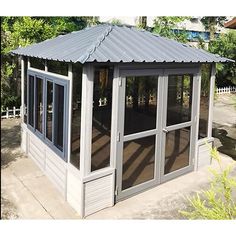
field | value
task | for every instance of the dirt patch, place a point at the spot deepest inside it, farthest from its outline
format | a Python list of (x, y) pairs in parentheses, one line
[(10, 141), (10, 152), (8, 209)]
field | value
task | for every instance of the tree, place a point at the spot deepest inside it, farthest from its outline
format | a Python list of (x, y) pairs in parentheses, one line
[(211, 22), (142, 22), (22, 31), (165, 25), (225, 45)]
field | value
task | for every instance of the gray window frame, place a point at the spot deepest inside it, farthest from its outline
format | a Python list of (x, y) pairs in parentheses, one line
[(55, 80)]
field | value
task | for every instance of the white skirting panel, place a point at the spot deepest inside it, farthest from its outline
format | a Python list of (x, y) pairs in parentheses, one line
[(98, 194), (203, 154), (48, 161), (74, 187), (24, 138)]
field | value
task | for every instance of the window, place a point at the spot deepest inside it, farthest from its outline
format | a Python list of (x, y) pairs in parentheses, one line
[(58, 67), (31, 100), (204, 100), (76, 115), (59, 116), (141, 104), (179, 99), (39, 105), (49, 109), (50, 126), (101, 126), (37, 63)]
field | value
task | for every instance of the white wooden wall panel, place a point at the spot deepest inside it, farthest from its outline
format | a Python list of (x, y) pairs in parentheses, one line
[(36, 152), (52, 165), (74, 190), (23, 139), (98, 194), (204, 157)]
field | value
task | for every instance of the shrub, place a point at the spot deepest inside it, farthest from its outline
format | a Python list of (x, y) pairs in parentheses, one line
[(216, 203)]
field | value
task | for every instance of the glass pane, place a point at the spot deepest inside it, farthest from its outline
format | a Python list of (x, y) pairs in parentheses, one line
[(25, 92), (101, 130), (59, 116), (138, 161), (177, 149), (204, 100), (57, 67), (31, 100), (39, 105), (179, 99), (37, 63), (49, 110), (140, 104), (76, 115)]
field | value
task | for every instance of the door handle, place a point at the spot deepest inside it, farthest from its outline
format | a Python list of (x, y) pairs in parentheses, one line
[(165, 130)]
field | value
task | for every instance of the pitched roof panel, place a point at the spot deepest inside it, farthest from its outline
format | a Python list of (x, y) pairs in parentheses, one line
[(112, 43)]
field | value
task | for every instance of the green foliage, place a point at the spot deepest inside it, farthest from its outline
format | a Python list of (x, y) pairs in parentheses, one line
[(216, 203), (205, 79), (22, 31), (211, 22), (164, 26), (225, 46), (116, 21)]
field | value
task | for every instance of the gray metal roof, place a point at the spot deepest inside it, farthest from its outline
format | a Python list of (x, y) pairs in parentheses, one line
[(110, 43)]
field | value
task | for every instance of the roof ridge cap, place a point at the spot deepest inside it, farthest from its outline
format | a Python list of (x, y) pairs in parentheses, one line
[(91, 49)]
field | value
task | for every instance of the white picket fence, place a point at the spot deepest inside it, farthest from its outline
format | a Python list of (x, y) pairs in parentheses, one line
[(230, 89), (10, 113)]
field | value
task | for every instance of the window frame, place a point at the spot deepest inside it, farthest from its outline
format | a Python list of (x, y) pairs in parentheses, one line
[(35, 105), (55, 79)]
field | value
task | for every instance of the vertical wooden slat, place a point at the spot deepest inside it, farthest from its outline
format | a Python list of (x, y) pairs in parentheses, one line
[(211, 102), (86, 119), (22, 88)]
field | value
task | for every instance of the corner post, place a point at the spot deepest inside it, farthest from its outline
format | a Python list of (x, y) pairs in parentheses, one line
[(22, 88), (86, 119), (211, 100), (70, 77)]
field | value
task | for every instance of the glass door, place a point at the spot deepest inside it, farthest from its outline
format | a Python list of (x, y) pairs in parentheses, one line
[(137, 156), (178, 123)]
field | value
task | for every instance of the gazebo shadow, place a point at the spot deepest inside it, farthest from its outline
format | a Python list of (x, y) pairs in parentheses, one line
[(228, 143), (10, 143)]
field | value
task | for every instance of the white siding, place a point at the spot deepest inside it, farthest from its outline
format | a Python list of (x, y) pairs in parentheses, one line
[(98, 194), (23, 138), (52, 165), (204, 157), (74, 186)]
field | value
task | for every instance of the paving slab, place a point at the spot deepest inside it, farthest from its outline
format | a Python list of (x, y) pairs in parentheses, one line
[(163, 201)]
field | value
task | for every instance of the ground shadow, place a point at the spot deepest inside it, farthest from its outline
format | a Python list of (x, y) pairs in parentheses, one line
[(228, 143), (10, 142)]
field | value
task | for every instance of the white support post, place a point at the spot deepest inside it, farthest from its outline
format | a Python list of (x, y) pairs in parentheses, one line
[(46, 67), (14, 112), (211, 100), (70, 77), (28, 63), (7, 113), (115, 109), (86, 119), (22, 88), (196, 119)]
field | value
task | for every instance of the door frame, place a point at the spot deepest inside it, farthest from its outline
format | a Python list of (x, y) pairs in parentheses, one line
[(192, 123), (162, 91), (122, 194)]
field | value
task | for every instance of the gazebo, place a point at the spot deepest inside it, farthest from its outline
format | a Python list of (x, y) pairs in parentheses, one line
[(110, 111)]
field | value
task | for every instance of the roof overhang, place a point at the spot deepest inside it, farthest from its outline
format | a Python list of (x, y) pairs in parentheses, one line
[(231, 24)]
